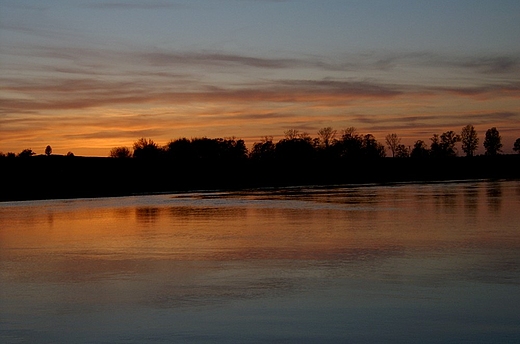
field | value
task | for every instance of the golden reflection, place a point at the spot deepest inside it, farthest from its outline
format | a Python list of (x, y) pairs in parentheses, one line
[(471, 198), (344, 225), (446, 199), (494, 196), (146, 215)]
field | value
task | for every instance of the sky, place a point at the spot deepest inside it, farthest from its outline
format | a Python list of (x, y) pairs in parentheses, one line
[(87, 76)]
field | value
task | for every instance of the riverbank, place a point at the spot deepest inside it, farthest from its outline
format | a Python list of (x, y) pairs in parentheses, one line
[(52, 177)]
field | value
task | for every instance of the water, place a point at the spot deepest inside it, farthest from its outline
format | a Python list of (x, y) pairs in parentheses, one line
[(404, 263)]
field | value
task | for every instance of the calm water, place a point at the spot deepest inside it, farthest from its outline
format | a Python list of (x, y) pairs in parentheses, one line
[(405, 263)]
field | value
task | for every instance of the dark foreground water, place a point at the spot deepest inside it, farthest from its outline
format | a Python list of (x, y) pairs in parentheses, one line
[(432, 263)]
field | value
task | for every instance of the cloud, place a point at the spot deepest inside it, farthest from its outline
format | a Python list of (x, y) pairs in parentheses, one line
[(80, 93), (484, 64), (139, 5), (510, 89), (492, 64), (117, 134), (435, 123), (464, 117), (217, 59)]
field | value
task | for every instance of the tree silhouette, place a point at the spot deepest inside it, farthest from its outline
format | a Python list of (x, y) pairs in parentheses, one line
[(435, 146), (448, 141), (179, 150), (444, 145), (119, 152), (294, 149), (516, 146), (48, 150), (351, 143), (419, 150), (232, 149), (146, 149), (392, 141), (206, 149), (371, 148), (291, 134), (402, 151), (26, 153), (263, 150), (493, 142), (469, 140), (326, 136)]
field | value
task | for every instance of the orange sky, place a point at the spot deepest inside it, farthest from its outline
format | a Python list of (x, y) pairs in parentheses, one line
[(88, 78)]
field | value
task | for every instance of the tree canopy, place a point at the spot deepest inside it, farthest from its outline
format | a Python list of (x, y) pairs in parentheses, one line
[(493, 142)]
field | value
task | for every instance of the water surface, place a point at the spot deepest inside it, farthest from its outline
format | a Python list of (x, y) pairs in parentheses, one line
[(401, 263)]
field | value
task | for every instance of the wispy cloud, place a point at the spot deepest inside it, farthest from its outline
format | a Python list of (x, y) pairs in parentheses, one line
[(474, 118), (484, 63), (511, 89), (82, 93), (135, 5), (217, 59)]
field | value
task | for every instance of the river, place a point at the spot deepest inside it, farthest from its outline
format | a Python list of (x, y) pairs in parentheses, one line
[(404, 263)]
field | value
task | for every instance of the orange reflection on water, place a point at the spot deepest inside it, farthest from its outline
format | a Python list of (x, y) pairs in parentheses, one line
[(330, 224)]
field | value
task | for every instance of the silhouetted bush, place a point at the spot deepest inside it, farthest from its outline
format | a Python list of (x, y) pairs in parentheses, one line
[(118, 152), (146, 149), (26, 153)]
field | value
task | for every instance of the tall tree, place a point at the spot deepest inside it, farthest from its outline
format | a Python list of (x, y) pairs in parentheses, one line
[(48, 150), (516, 146), (469, 140), (493, 142), (263, 150), (392, 141), (435, 146), (448, 141), (351, 144), (402, 151), (444, 145), (419, 150), (291, 134), (372, 148)]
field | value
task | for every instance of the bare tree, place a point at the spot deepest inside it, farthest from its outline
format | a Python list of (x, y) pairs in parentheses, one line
[(349, 132), (326, 136), (469, 140), (392, 141), (291, 134)]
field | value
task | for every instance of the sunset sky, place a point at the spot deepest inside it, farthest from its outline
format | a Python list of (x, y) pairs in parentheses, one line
[(86, 76)]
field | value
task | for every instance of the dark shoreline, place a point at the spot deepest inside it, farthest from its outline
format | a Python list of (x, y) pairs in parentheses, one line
[(60, 177)]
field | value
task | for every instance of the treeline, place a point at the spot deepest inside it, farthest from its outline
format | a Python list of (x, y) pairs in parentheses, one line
[(182, 165), (301, 146), (329, 143)]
